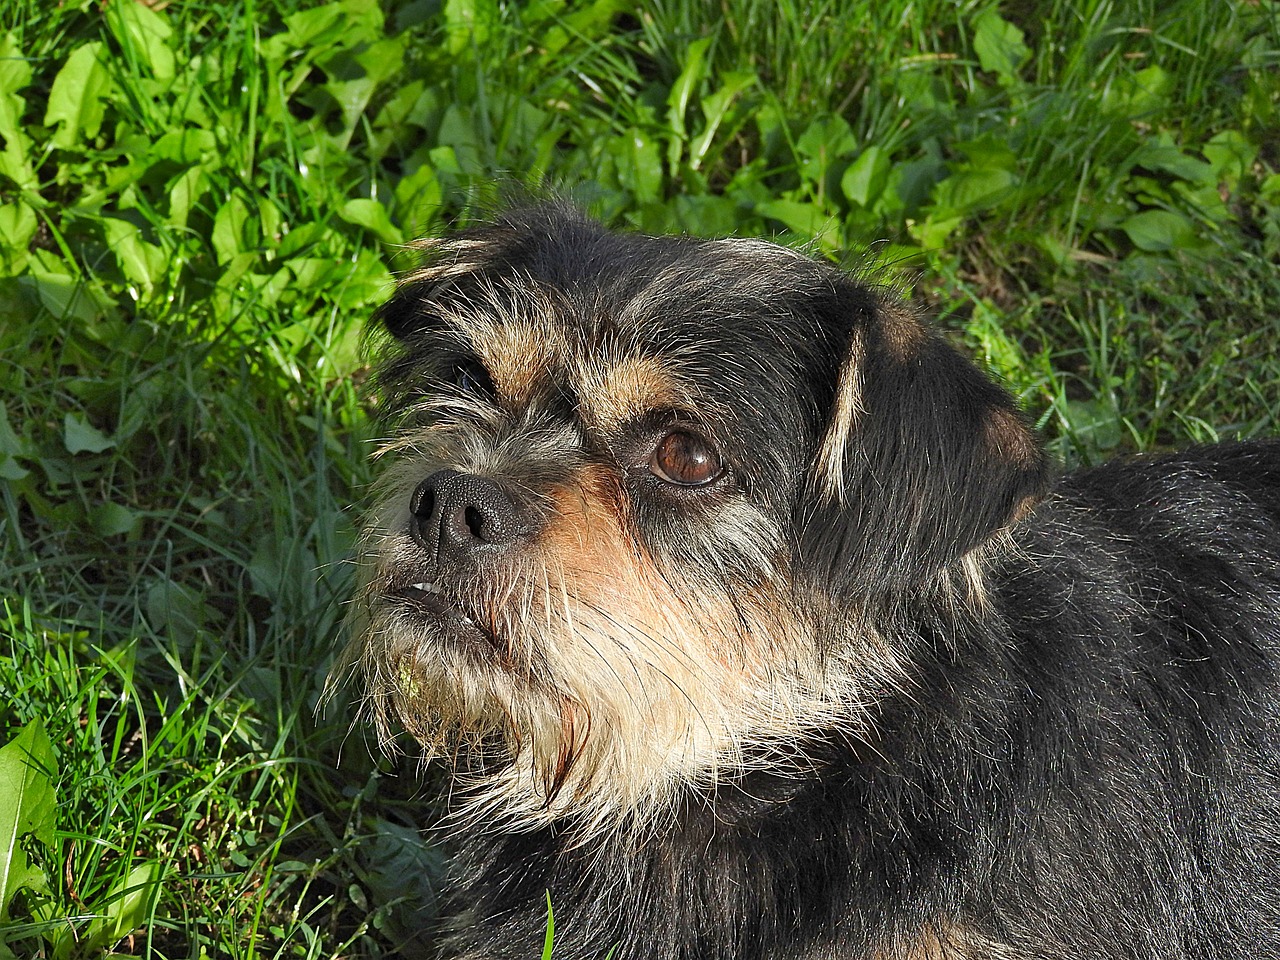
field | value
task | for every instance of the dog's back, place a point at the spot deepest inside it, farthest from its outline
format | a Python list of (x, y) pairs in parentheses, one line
[(1145, 610)]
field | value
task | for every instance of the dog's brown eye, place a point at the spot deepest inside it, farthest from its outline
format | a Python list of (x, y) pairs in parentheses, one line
[(685, 459)]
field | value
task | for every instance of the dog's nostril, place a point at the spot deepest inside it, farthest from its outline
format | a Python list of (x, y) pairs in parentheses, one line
[(423, 503), (475, 522)]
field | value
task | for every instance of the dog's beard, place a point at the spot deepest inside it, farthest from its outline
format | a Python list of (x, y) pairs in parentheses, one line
[(581, 677)]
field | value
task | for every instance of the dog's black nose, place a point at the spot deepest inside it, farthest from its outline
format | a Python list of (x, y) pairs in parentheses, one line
[(460, 516)]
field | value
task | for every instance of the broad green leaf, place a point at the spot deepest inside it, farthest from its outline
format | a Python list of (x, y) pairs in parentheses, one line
[(1269, 191), (715, 107), (128, 903), (999, 46), (184, 190), (826, 138), (1167, 158), (267, 288), (75, 100), (823, 143), (384, 58), (371, 215), (124, 908), (468, 23), (681, 91), (1140, 94), (147, 32), (301, 237), (307, 28), (639, 159), (270, 220), (1160, 230), (1231, 155), (363, 283), (15, 69), (79, 436), (418, 196), (66, 297), (409, 867), (231, 227), (315, 30), (17, 226), (989, 151), (969, 191), (141, 262), (460, 141), (933, 231), (913, 182), (179, 611), (806, 219), (705, 215), (15, 74), (112, 519), (1093, 423), (585, 20), (186, 146), (379, 61), (28, 807), (866, 177), (310, 272), (12, 446)]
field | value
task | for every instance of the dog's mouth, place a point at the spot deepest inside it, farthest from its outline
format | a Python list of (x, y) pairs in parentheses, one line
[(429, 600)]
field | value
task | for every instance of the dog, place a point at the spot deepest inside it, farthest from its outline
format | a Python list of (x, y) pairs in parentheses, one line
[(753, 622)]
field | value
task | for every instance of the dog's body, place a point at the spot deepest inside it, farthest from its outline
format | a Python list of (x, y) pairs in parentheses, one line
[(755, 627)]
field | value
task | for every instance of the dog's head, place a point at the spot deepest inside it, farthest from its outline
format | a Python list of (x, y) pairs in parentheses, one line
[(647, 500)]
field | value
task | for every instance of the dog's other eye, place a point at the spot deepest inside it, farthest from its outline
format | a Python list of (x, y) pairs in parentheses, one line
[(685, 459), (471, 377)]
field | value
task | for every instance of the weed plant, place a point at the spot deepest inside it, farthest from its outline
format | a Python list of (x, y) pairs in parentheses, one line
[(201, 203)]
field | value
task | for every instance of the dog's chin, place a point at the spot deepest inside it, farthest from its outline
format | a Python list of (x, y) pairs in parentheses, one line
[(440, 670)]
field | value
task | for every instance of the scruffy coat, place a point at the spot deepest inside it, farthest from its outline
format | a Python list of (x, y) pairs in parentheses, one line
[(918, 698)]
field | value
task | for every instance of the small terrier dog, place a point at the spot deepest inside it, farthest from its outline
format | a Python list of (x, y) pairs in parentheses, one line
[(754, 625)]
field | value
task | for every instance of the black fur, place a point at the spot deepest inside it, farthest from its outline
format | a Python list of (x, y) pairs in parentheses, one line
[(1084, 759)]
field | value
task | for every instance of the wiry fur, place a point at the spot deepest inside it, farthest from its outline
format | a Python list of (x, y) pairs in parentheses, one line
[(881, 690)]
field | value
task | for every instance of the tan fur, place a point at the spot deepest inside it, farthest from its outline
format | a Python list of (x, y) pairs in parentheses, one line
[(951, 942), (846, 414), (519, 358)]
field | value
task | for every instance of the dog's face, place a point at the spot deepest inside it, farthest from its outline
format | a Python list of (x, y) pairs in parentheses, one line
[(650, 503)]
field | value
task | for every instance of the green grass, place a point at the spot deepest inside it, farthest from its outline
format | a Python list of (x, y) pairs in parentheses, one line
[(200, 206)]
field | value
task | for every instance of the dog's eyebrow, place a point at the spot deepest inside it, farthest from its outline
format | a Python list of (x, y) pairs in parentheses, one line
[(611, 394)]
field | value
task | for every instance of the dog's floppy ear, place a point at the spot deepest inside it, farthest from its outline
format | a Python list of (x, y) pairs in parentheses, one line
[(452, 264), (461, 265), (923, 457)]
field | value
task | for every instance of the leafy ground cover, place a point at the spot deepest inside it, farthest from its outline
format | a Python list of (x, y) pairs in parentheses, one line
[(200, 203)]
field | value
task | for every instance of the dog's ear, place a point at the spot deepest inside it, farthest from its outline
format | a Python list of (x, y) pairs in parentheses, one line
[(463, 265), (923, 457), (450, 267)]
